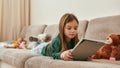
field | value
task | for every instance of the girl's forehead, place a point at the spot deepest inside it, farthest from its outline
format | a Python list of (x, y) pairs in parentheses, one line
[(72, 23)]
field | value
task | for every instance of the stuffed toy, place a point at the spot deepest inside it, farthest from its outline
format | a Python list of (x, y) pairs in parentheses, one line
[(109, 50), (36, 40), (40, 38), (20, 43)]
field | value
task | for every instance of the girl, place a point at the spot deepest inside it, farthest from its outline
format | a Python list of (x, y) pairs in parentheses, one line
[(60, 47)]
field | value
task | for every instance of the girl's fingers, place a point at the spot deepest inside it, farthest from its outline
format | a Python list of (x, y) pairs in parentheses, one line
[(67, 55)]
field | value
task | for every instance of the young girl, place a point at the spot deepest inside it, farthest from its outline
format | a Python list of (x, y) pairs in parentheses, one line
[(60, 47)]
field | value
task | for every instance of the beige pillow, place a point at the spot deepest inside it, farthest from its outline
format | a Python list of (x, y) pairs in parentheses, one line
[(32, 30)]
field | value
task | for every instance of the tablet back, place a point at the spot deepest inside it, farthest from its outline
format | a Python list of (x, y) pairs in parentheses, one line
[(86, 48)]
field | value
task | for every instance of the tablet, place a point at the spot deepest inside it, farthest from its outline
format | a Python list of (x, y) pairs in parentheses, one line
[(86, 48)]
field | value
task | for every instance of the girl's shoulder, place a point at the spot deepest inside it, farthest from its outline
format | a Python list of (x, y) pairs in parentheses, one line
[(56, 40)]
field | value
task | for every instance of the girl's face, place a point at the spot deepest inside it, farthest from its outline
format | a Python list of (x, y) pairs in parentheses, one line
[(71, 30)]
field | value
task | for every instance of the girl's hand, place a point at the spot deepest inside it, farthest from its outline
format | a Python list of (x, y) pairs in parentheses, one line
[(67, 55)]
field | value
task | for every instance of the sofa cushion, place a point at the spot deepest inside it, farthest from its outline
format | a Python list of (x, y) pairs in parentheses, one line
[(32, 30), (15, 57), (106, 61), (52, 30), (5, 65), (45, 62), (99, 28), (82, 28)]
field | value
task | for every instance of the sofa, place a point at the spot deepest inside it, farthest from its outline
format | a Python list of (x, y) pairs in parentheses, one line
[(97, 28)]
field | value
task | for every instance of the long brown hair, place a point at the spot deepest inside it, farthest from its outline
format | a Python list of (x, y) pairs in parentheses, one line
[(66, 18)]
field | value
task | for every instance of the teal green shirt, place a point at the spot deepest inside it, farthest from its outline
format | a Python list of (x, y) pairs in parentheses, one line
[(54, 49)]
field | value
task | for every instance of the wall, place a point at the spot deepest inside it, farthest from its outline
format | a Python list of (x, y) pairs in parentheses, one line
[(50, 11)]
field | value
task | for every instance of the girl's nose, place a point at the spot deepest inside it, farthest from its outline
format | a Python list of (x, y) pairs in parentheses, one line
[(73, 30)]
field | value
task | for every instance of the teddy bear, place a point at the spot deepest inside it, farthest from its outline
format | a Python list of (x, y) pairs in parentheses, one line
[(20, 43), (110, 50)]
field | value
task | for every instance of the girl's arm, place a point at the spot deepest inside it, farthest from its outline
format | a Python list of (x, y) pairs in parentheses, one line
[(53, 49)]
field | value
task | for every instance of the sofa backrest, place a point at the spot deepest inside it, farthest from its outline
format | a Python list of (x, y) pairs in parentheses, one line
[(52, 30), (100, 28)]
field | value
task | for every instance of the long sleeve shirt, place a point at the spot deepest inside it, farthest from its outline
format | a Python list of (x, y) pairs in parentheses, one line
[(54, 50)]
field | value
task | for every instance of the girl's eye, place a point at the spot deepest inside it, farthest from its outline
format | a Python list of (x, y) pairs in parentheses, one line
[(75, 28), (69, 28)]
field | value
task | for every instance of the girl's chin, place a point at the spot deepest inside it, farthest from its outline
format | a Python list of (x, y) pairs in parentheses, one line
[(71, 37)]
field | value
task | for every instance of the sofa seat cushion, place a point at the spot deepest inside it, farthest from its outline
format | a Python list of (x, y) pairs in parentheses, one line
[(15, 57), (46, 62)]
